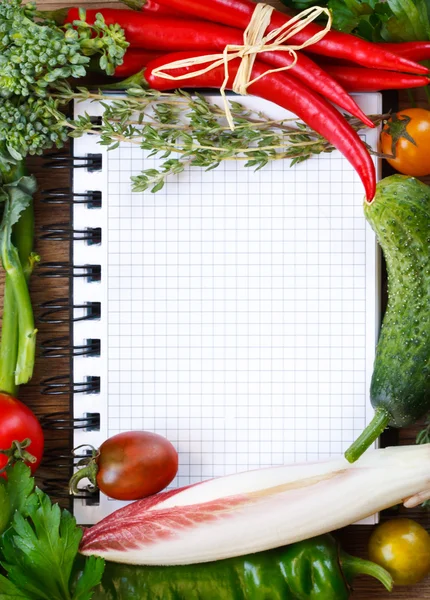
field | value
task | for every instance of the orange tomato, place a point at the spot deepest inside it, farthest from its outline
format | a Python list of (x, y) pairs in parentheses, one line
[(407, 136)]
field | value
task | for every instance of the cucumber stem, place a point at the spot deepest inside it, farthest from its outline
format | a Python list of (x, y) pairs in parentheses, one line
[(370, 434), (353, 566)]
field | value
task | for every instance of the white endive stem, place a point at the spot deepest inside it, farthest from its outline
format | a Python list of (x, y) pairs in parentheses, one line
[(257, 510)]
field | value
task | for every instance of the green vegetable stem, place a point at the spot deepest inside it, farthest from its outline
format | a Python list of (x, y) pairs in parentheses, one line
[(37, 56), (315, 569), (18, 342)]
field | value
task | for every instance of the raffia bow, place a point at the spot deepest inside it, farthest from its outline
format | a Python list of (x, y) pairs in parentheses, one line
[(254, 42)]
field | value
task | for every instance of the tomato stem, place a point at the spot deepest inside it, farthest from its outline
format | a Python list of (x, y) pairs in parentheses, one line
[(89, 471), (17, 452)]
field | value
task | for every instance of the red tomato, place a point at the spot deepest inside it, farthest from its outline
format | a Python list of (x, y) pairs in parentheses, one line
[(135, 464), (18, 423)]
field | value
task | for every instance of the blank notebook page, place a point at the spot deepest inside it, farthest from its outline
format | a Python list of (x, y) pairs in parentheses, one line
[(239, 309)]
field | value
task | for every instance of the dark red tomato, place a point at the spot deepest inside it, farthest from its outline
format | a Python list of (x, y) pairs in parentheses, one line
[(135, 464), (18, 423)]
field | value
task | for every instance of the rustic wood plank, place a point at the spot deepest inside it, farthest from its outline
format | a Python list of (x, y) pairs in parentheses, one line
[(354, 538)]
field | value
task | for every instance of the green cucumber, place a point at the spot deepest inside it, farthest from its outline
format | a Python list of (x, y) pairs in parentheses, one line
[(400, 386)]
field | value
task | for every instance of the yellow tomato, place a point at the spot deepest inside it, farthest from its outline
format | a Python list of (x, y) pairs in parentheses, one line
[(407, 136), (402, 547)]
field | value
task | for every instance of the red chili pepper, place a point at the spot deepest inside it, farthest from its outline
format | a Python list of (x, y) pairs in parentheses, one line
[(413, 50), (168, 34), (134, 60), (154, 7), (238, 13), (357, 79), (286, 91)]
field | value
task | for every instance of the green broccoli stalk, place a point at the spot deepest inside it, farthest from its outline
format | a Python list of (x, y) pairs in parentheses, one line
[(17, 350), (37, 57), (28, 126), (22, 238)]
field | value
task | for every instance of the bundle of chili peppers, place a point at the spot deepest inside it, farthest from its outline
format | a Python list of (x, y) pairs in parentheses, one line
[(173, 30)]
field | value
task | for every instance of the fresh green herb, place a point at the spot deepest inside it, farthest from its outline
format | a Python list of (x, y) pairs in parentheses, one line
[(39, 546), (187, 130), (390, 21)]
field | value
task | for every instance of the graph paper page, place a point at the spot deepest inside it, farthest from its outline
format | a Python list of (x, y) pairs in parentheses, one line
[(239, 309)]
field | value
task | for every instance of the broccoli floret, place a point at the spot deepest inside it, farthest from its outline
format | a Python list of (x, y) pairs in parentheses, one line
[(35, 53), (30, 126)]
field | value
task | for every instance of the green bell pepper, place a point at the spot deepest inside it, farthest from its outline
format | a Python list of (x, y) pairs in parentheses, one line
[(315, 569)]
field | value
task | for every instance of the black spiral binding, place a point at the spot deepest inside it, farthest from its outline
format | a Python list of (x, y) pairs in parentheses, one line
[(63, 421), (92, 198), (61, 347), (65, 269), (61, 232), (60, 461), (64, 160), (59, 311), (63, 385)]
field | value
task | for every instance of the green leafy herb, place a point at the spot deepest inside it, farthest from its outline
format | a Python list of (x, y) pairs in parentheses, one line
[(5, 508), (187, 130), (390, 21), (17, 492), (40, 546)]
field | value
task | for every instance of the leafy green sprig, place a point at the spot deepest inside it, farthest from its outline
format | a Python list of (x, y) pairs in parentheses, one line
[(187, 130), (375, 20), (39, 545)]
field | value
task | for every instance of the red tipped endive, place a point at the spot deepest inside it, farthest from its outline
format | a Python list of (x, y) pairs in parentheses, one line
[(258, 510)]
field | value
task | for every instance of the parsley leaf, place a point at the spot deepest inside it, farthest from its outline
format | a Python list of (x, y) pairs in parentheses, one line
[(40, 547), (409, 22), (389, 21), (90, 578), (5, 507), (8, 591), (20, 489), (16, 494)]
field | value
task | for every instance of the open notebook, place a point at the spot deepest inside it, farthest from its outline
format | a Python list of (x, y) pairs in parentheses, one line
[(239, 310)]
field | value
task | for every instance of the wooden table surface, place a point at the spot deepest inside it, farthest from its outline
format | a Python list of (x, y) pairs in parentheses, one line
[(354, 539)]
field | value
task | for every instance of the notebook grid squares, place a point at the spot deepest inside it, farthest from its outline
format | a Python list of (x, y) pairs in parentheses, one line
[(237, 312)]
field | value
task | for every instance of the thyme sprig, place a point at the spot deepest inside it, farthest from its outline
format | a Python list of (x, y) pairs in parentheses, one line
[(188, 130)]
